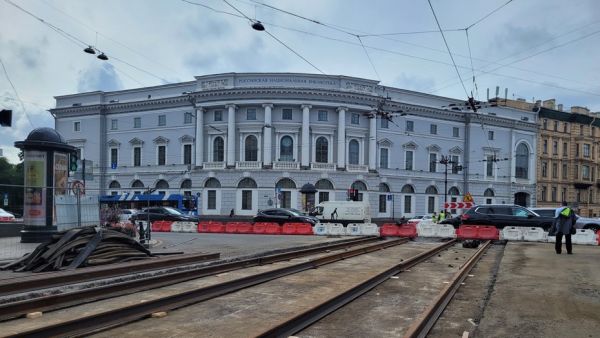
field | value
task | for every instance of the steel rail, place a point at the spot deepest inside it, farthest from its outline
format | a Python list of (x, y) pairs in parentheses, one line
[(101, 321), (420, 328), (309, 317), (51, 279), (62, 300)]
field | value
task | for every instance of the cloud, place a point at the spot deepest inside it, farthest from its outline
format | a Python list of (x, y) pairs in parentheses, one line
[(99, 76), (513, 39)]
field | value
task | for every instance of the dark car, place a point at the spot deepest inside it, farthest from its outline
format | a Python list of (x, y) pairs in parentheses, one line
[(454, 221), (501, 215), (163, 214), (581, 223), (281, 215)]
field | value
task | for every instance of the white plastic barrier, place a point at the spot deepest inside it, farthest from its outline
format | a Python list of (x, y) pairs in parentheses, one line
[(584, 236), (354, 229), (445, 230), (427, 228), (534, 235), (367, 229), (551, 239), (512, 233), (320, 229), (176, 227), (186, 226), (336, 229)]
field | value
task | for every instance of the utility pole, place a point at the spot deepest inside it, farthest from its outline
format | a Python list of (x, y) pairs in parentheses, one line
[(445, 161)]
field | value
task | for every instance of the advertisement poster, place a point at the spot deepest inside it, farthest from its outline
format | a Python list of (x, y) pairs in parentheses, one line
[(60, 173), (35, 191)]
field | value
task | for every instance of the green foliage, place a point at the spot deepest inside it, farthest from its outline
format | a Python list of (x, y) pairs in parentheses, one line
[(11, 182)]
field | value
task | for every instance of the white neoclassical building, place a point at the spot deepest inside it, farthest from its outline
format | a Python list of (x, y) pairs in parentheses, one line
[(247, 141)]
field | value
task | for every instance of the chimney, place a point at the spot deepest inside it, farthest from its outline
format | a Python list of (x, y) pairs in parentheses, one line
[(580, 110), (488, 94), (560, 107), (497, 91), (549, 103)]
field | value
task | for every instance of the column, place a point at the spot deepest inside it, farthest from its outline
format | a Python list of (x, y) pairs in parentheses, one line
[(305, 135), (231, 135), (373, 141), (341, 146), (199, 136), (267, 131)]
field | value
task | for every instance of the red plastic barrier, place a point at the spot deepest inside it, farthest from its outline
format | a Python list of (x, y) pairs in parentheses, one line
[(244, 228), (157, 226), (216, 227), (166, 226), (598, 236), (272, 229), (407, 230), (203, 226), (467, 232), (289, 229), (388, 229), (488, 232), (304, 229), (231, 227)]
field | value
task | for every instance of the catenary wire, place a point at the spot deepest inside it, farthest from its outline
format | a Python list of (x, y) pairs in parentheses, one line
[(16, 93), (369, 57)]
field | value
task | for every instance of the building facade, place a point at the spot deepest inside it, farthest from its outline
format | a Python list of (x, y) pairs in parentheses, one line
[(247, 141)]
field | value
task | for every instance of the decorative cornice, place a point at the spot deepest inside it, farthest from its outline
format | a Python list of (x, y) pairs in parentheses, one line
[(433, 148), (114, 143), (455, 151), (161, 140), (136, 142), (410, 145), (186, 138), (385, 143)]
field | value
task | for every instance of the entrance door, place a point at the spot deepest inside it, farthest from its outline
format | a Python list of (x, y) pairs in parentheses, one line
[(522, 198)]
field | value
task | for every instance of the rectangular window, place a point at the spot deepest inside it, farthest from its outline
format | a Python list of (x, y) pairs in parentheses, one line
[(454, 160), (162, 120), (544, 193), (211, 203), (409, 160), (137, 122), (544, 169), (322, 115), (586, 150), (114, 124), (407, 204), (354, 118), (410, 126), (581, 129), (246, 199), (565, 171), (250, 114), (554, 170), (555, 148), (162, 152), (565, 127), (553, 194), (323, 196), (545, 147), (585, 172), (77, 126), (383, 158), (385, 123), (577, 150), (286, 114), (218, 115), (433, 129), (432, 162), (545, 124), (114, 156), (489, 166), (565, 149), (430, 204), (187, 118), (578, 196), (137, 156), (563, 196), (455, 132), (490, 135), (187, 154), (555, 125), (382, 203), (576, 171)]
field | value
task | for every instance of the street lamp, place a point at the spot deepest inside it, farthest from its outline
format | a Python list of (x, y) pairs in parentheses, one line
[(445, 161)]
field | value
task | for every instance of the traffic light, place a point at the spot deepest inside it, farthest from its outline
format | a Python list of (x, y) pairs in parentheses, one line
[(6, 118), (73, 162)]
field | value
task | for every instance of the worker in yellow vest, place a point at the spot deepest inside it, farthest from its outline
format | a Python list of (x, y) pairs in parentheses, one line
[(434, 217)]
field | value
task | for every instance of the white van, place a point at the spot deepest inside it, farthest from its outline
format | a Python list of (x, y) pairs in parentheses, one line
[(343, 212)]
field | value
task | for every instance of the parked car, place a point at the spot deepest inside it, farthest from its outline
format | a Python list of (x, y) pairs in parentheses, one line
[(163, 214), (282, 215), (501, 215), (454, 221), (6, 216), (420, 218), (582, 222), (126, 214)]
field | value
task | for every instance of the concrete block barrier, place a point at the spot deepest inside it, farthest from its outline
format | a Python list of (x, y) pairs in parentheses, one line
[(535, 235), (512, 233)]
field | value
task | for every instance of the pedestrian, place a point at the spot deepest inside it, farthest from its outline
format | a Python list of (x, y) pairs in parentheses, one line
[(231, 213), (442, 215), (564, 224), (434, 217)]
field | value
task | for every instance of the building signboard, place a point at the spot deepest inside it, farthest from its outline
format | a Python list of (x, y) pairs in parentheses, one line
[(35, 188)]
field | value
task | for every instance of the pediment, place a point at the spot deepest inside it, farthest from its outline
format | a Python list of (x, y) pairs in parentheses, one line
[(114, 143), (136, 141), (456, 151), (186, 138), (410, 145), (384, 142), (434, 148), (161, 140)]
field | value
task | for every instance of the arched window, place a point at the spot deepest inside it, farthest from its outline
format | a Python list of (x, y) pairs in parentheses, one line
[(212, 183), (218, 149), (247, 183), (353, 149), (522, 161), (324, 184), (488, 193), (322, 154), (431, 190), (384, 187), (114, 185), (359, 185), (186, 184), (162, 184), (285, 183), (251, 148), (407, 189), (286, 149), (453, 191), (137, 184)]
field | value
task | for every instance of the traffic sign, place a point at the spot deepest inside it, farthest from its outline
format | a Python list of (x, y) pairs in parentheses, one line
[(78, 188), (458, 205)]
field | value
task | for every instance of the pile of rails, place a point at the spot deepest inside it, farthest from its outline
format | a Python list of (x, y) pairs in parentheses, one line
[(79, 247)]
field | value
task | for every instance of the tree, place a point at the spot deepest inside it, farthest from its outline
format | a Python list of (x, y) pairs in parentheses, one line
[(11, 183)]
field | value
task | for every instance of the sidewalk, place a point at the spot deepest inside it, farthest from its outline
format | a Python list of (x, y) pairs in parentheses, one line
[(12, 248)]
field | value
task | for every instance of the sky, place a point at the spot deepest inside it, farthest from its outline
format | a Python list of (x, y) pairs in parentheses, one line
[(538, 49)]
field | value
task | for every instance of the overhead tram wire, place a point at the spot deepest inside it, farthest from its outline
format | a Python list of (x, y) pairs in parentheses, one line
[(369, 57), (488, 15), (16, 93)]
